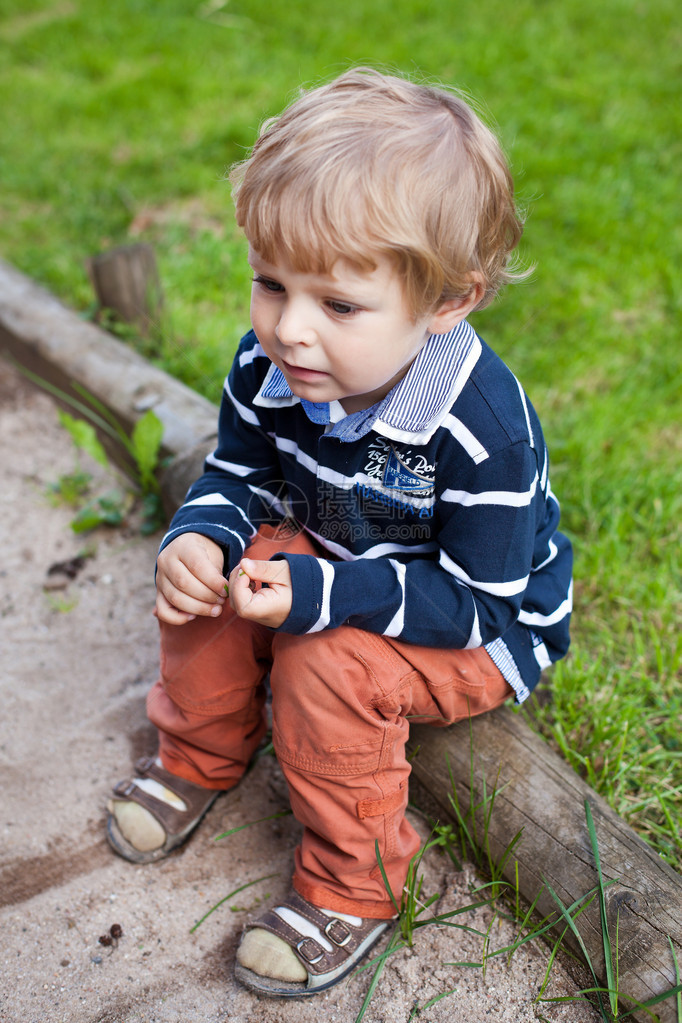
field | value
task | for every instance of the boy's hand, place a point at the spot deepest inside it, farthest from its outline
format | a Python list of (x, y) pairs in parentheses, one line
[(269, 605), (189, 579)]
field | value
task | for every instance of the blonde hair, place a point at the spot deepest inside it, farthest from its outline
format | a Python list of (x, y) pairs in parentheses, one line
[(372, 165)]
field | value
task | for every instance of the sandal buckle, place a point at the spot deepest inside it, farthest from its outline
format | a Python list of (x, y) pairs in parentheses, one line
[(345, 936), (310, 950), (123, 788)]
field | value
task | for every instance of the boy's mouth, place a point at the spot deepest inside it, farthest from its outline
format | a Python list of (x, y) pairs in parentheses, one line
[(301, 373)]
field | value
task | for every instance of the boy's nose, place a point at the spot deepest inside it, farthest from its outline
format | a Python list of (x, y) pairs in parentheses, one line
[(294, 327)]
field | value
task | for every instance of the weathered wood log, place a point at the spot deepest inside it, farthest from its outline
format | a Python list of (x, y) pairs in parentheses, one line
[(181, 473), (126, 280), (538, 792), (58, 345)]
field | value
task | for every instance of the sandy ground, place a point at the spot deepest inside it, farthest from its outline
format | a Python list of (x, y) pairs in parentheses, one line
[(75, 666)]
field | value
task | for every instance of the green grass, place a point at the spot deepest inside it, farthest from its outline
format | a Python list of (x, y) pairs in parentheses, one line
[(119, 122)]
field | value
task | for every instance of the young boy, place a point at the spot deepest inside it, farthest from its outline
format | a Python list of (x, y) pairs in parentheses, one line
[(376, 526)]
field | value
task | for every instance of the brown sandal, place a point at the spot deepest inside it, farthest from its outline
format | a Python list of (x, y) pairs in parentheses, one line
[(325, 968), (178, 824)]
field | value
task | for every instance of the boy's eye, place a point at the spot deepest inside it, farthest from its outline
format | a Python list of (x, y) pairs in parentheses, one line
[(267, 283), (341, 308)]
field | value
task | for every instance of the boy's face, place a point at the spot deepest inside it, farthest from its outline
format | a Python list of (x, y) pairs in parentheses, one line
[(345, 335)]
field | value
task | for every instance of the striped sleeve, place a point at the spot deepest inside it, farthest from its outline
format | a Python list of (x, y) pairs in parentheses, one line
[(241, 486)]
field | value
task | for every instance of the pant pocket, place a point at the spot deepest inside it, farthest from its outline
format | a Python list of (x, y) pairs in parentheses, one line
[(314, 755)]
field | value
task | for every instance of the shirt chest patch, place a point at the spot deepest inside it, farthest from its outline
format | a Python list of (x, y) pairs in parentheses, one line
[(400, 471), (400, 476)]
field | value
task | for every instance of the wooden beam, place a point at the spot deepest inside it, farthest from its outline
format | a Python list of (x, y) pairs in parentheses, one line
[(538, 792), (40, 333)]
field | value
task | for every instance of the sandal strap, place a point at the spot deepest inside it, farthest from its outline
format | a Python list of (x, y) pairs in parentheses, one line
[(345, 938), (172, 819), (188, 791)]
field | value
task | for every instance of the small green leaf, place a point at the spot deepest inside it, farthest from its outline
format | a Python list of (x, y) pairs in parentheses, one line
[(146, 442), (84, 437), (70, 488), (108, 510), (88, 518)]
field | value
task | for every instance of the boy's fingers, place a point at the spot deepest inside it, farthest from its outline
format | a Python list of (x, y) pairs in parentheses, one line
[(166, 612), (188, 592), (266, 571), (194, 564), (270, 604), (205, 574), (182, 579), (187, 603)]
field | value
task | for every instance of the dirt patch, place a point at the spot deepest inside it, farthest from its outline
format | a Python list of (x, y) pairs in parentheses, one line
[(76, 664)]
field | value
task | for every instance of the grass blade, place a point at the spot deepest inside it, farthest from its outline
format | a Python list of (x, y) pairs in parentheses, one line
[(550, 964), (261, 820), (385, 878), (677, 978), (432, 1001), (85, 410), (606, 940), (638, 1006), (393, 946), (235, 892), (565, 913)]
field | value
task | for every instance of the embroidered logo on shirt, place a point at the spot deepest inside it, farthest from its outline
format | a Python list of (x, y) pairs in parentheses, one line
[(403, 478), (400, 476), (397, 469)]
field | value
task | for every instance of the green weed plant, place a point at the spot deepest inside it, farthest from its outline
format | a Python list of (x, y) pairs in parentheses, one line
[(465, 839), (608, 996), (413, 912), (142, 446)]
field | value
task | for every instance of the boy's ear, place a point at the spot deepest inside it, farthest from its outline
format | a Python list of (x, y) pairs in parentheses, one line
[(451, 312)]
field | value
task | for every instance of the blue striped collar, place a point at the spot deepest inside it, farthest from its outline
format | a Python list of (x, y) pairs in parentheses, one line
[(416, 406)]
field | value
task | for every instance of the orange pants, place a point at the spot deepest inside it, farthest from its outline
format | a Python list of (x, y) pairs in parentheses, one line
[(341, 702)]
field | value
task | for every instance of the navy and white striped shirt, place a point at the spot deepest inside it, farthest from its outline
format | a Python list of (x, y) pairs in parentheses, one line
[(434, 507)]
